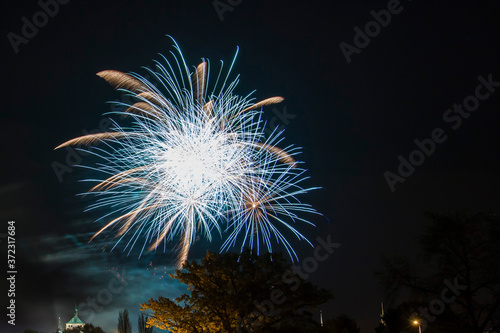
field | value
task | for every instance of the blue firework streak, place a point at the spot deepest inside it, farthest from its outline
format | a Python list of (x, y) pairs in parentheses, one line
[(194, 160)]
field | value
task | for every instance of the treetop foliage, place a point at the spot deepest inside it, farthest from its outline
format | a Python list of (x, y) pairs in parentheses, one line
[(238, 293)]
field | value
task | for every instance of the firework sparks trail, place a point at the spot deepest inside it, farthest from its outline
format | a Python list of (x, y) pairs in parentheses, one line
[(194, 162)]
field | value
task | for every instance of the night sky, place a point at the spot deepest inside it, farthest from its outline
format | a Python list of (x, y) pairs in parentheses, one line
[(356, 106)]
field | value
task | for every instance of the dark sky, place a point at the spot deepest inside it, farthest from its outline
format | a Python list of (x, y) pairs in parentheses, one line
[(353, 120)]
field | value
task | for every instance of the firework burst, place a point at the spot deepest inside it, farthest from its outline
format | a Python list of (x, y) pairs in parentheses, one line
[(194, 160)]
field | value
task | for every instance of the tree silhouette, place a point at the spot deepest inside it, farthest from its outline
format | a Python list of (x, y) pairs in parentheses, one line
[(342, 324), (124, 325), (239, 293), (142, 325), (460, 290)]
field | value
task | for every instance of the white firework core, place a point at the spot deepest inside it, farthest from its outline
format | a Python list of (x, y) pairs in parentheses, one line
[(194, 162)]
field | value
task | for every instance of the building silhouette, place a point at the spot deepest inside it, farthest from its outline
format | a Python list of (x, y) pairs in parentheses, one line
[(74, 322)]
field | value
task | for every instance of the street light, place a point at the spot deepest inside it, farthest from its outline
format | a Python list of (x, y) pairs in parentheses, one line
[(416, 322)]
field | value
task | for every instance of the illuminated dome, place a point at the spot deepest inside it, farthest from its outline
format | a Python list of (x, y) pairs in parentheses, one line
[(75, 321)]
